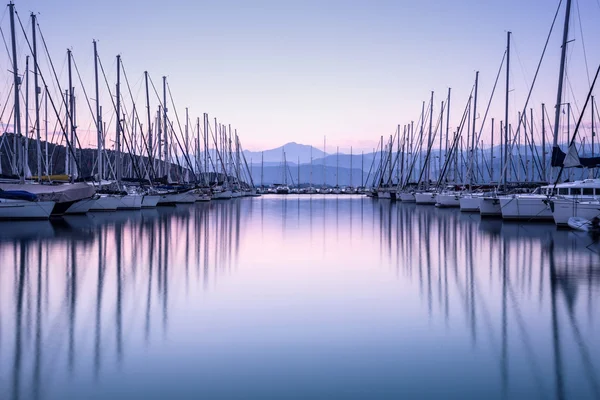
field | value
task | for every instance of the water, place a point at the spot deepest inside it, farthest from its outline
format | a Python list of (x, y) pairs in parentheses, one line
[(297, 298)]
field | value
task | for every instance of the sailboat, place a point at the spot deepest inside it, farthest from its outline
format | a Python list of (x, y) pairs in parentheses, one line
[(336, 189), (283, 188)]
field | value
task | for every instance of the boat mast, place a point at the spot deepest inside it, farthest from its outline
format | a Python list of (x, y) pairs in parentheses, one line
[(440, 148), (473, 133), (337, 167), (324, 161), (544, 141), (17, 83), (262, 169), (593, 133), (99, 160), (351, 166), (362, 170), (505, 166), (447, 126), (298, 183), (198, 158), (26, 171), (492, 154), (118, 166), (37, 99), (72, 167), (149, 121), (207, 179), (561, 75), (166, 132), (311, 165), (429, 138), (48, 166)]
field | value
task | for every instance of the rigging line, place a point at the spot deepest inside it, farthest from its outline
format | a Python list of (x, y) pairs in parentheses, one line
[(587, 100), (69, 145), (186, 156), (152, 170), (587, 70), (118, 118), (491, 98), (87, 99), (5, 45), (534, 81)]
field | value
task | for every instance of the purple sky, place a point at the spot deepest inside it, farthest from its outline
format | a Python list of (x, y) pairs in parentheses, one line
[(282, 71)]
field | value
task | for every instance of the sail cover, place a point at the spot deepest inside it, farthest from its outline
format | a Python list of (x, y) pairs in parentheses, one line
[(559, 159)]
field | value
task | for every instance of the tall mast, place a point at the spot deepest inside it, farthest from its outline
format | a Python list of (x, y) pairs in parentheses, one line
[(118, 123), (149, 122), (187, 139), (350, 166), (561, 76), (473, 133), (205, 135), (440, 148), (159, 141), (72, 168), (99, 160), (198, 159), (311, 165), (324, 161), (381, 172), (447, 125), (492, 155), (337, 167), (298, 183), (26, 171), (48, 166), (544, 179), (421, 165), (17, 83), (167, 157), (505, 166), (428, 176), (593, 132), (37, 99), (362, 166), (262, 166)]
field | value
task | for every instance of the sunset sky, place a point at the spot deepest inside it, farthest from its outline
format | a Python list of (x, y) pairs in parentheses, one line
[(282, 71)]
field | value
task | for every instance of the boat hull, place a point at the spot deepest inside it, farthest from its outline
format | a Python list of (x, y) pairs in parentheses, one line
[(525, 207), (224, 195), (448, 200), (80, 207), (490, 207), (130, 202), (25, 210), (407, 197), (150, 200), (563, 209), (105, 203), (425, 198), (469, 204)]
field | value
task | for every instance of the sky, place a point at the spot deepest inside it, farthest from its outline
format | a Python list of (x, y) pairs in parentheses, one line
[(284, 70)]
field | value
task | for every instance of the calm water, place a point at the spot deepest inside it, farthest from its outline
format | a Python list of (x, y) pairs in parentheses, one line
[(297, 298)]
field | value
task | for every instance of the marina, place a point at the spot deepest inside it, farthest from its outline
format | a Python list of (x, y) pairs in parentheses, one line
[(299, 200)]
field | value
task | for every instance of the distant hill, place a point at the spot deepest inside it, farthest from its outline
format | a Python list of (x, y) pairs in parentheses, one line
[(293, 151)]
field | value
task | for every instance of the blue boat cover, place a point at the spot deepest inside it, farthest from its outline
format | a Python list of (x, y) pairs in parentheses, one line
[(17, 195)]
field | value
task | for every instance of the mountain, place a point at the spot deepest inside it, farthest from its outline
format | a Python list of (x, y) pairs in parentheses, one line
[(293, 151)]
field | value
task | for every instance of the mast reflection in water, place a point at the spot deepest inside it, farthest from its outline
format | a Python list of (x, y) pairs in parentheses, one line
[(297, 297)]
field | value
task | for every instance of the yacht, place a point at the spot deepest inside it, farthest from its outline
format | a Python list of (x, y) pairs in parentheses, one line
[(282, 189), (21, 205), (425, 198), (469, 202), (535, 206)]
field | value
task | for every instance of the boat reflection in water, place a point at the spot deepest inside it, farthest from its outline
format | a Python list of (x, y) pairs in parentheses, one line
[(297, 297)]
